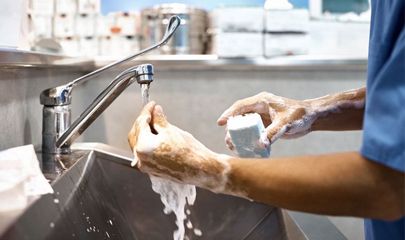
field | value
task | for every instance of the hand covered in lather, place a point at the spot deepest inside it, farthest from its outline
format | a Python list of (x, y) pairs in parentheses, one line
[(282, 117), (164, 150), (289, 118)]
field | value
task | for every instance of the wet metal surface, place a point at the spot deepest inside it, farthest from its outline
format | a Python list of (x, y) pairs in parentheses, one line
[(101, 197)]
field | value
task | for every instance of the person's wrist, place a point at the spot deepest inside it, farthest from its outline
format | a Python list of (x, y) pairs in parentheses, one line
[(327, 105), (214, 172), (319, 108)]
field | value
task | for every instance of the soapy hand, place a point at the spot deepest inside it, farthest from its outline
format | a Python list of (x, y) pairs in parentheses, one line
[(164, 150), (282, 117)]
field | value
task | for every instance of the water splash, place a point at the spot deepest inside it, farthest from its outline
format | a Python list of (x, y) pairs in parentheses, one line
[(174, 196), (198, 232)]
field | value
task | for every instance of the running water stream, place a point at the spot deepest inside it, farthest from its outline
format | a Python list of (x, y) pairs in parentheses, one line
[(174, 196)]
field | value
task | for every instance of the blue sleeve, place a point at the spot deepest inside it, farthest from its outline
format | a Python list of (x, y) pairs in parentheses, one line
[(384, 121)]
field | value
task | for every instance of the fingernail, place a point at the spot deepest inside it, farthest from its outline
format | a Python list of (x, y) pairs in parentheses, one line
[(159, 111), (221, 120)]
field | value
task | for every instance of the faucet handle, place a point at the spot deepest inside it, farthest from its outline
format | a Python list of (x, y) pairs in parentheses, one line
[(174, 23), (60, 95)]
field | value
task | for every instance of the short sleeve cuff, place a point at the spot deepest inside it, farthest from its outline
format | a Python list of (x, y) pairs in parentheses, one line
[(392, 159)]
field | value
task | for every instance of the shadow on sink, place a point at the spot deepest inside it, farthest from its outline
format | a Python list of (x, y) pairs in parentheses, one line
[(100, 197)]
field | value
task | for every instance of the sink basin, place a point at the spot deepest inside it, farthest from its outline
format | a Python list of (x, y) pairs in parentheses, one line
[(101, 197)]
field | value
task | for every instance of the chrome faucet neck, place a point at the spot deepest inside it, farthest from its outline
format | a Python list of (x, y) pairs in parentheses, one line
[(57, 131)]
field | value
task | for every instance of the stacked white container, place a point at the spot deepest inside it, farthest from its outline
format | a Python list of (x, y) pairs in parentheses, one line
[(120, 34), (87, 15), (233, 36), (81, 30), (286, 32), (71, 23), (64, 26), (40, 15)]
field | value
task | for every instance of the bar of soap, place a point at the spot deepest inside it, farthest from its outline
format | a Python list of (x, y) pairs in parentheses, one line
[(248, 136)]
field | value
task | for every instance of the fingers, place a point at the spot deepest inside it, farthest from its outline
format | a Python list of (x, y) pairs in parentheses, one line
[(228, 141), (247, 105), (289, 135), (238, 108), (159, 119), (145, 116), (141, 122), (276, 130), (147, 110)]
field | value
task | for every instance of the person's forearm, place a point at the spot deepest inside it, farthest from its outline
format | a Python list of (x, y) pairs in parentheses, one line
[(334, 184), (340, 111)]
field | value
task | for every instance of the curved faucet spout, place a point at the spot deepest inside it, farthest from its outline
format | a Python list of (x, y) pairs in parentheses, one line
[(143, 74), (60, 96)]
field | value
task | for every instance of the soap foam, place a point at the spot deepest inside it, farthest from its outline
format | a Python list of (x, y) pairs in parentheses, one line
[(174, 197), (302, 126)]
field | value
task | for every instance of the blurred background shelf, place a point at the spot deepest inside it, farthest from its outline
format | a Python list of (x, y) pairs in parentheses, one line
[(17, 58), (12, 58), (213, 62)]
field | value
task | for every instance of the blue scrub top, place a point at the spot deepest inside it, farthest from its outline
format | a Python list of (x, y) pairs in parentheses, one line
[(384, 121)]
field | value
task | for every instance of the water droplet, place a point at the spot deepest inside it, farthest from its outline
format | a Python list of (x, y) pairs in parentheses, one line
[(108, 235), (73, 235), (188, 212), (167, 211), (197, 232), (52, 225), (87, 229), (189, 224), (56, 200), (57, 193), (110, 222)]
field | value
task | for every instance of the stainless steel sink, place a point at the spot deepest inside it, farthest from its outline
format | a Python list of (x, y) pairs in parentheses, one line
[(101, 197)]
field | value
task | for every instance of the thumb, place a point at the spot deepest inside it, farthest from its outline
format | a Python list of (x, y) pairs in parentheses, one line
[(159, 119), (142, 122), (276, 130), (146, 114), (247, 105)]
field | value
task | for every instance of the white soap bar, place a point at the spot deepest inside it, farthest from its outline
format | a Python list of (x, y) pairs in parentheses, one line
[(248, 136)]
